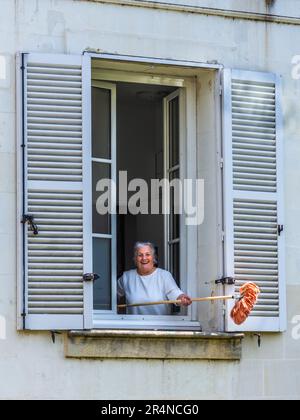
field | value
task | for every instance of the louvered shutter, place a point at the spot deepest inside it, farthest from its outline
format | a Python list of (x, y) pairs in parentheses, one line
[(55, 135), (252, 150)]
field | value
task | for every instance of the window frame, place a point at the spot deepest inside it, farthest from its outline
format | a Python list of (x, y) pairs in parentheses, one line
[(113, 217), (168, 170), (188, 105)]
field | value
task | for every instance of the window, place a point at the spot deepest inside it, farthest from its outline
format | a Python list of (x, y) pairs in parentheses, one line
[(172, 163), (79, 116), (103, 167), (143, 136)]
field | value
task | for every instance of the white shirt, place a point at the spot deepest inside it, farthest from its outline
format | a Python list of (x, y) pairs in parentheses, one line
[(160, 285)]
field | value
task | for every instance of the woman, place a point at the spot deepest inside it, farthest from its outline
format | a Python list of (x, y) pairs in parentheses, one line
[(149, 283)]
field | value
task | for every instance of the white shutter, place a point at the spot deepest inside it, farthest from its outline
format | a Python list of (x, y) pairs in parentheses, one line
[(252, 149), (55, 135)]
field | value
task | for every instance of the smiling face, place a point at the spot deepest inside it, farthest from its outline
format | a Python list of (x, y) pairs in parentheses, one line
[(144, 260)]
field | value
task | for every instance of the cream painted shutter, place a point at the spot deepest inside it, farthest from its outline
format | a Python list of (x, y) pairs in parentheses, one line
[(253, 213), (55, 191)]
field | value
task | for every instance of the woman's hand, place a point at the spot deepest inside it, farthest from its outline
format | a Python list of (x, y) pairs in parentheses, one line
[(185, 300)]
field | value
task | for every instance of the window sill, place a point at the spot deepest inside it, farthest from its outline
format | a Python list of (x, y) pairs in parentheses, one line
[(141, 344)]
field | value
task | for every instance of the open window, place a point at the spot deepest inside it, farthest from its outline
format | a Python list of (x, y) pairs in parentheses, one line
[(83, 120), (138, 141), (135, 140)]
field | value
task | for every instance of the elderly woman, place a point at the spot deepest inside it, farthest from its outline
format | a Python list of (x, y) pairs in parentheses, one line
[(149, 283)]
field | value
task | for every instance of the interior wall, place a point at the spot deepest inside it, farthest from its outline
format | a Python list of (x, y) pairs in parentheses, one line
[(140, 152)]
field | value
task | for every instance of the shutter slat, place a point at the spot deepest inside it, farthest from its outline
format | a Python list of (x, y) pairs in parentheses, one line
[(70, 132), (49, 115), (67, 160), (55, 259), (55, 177), (51, 154), (50, 287), (56, 142), (55, 279), (41, 120), (46, 75), (56, 103), (54, 69), (54, 86), (242, 117), (74, 125), (36, 109), (244, 111), (55, 311), (69, 294)]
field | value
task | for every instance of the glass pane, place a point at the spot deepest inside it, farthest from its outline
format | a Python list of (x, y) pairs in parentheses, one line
[(175, 196), (101, 123), (102, 267), (174, 132), (101, 223), (175, 261)]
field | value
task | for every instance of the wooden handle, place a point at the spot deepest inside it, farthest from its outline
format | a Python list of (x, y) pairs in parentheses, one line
[(163, 302)]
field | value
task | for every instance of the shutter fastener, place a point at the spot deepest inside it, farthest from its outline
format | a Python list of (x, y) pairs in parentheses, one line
[(279, 229), (90, 277), (225, 280), (258, 339), (53, 335), (29, 218)]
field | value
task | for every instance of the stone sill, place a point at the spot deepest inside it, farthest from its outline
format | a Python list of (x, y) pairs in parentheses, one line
[(141, 344)]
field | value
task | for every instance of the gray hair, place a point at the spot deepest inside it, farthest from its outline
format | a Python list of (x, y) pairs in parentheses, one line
[(139, 245)]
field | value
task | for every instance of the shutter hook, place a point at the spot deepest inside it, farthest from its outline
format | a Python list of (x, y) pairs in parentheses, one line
[(225, 280), (90, 277), (30, 219), (258, 339), (53, 335)]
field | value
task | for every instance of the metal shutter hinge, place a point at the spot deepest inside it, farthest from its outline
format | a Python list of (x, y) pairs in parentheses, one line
[(221, 163), (279, 229)]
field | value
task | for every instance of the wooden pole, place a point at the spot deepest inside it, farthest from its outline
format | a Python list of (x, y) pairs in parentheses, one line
[(163, 302)]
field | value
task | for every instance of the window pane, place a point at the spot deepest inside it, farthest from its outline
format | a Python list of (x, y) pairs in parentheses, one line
[(175, 196), (174, 132), (101, 223), (102, 267), (101, 123), (175, 261)]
